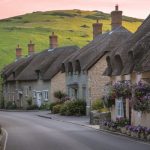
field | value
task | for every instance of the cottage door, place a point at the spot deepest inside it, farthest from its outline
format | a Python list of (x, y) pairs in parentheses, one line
[(38, 99)]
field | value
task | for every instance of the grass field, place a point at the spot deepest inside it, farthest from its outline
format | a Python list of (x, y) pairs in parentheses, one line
[(73, 27)]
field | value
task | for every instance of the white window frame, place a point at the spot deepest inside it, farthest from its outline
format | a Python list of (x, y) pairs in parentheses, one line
[(45, 95), (119, 108)]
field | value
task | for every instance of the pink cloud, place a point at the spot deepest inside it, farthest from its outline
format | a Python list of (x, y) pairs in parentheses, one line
[(135, 8)]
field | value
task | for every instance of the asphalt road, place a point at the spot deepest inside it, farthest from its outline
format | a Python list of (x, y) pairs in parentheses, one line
[(26, 131)]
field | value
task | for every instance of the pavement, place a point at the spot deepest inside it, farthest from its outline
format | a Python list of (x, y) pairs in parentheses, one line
[(78, 120), (29, 131)]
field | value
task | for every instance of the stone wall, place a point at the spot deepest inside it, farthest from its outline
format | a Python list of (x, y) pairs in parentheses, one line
[(139, 118), (96, 80), (58, 83)]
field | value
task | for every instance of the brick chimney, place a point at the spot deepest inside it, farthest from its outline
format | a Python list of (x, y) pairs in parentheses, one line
[(18, 52), (31, 48), (97, 29), (116, 18), (53, 41)]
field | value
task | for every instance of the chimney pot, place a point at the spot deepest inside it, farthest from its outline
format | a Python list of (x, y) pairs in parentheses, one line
[(117, 7)]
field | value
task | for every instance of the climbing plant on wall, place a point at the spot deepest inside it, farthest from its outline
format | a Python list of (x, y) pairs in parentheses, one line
[(141, 101)]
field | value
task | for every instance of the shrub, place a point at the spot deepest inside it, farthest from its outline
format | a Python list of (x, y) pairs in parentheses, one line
[(76, 107), (44, 106), (97, 105), (32, 107), (56, 109), (59, 95), (29, 101), (11, 105), (54, 104)]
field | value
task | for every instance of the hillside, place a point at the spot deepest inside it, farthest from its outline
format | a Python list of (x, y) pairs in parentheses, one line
[(74, 27)]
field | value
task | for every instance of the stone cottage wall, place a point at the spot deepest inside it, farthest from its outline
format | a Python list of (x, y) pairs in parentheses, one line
[(58, 83), (96, 80)]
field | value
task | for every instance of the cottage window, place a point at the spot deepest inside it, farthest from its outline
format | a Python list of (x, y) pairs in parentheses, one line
[(84, 93), (119, 108), (45, 95)]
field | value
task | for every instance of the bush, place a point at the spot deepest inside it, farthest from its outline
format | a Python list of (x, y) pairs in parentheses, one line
[(97, 105), (32, 107), (54, 104), (44, 106), (11, 105), (76, 107), (29, 101), (59, 95), (56, 109)]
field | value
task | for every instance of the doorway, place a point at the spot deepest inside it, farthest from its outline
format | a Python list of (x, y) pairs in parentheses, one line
[(38, 98)]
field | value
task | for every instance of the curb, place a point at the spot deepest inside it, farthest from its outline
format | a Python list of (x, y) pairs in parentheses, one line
[(55, 118), (5, 110), (99, 129)]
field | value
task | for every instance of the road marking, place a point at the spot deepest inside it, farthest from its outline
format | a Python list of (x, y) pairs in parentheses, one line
[(5, 143)]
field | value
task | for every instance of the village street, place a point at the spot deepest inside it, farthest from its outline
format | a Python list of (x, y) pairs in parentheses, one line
[(27, 131)]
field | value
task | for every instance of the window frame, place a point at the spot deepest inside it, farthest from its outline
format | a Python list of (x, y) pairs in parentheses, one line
[(45, 95), (119, 108)]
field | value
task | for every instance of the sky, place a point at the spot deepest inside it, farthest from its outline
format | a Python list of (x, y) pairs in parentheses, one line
[(133, 8)]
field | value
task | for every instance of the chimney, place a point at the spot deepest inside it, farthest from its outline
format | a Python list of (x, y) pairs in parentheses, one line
[(31, 50), (116, 18), (18, 52), (97, 29), (53, 41)]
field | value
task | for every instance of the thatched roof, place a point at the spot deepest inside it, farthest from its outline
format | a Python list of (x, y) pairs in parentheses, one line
[(103, 43), (46, 63), (14, 69), (142, 54), (130, 52)]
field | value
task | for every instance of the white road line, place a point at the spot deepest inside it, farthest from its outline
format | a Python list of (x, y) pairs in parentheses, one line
[(5, 143)]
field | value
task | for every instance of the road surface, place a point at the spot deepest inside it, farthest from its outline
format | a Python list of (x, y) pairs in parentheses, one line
[(26, 131)]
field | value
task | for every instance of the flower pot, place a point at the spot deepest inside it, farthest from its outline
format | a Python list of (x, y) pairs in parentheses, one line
[(142, 136), (123, 130), (128, 132)]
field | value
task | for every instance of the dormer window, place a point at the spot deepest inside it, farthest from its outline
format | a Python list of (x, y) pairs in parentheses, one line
[(38, 74), (13, 74), (109, 67), (70, 68), (118, 65), (77, 67), (63, 69)]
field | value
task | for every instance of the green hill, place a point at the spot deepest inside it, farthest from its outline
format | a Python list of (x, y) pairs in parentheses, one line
[(74, 27)]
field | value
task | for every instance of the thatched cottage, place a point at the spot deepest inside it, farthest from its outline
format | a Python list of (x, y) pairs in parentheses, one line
[(130, 62), (84, 68), (37, 76)]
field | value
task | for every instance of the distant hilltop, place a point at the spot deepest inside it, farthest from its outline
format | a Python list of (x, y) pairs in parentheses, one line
[(74, 27)]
